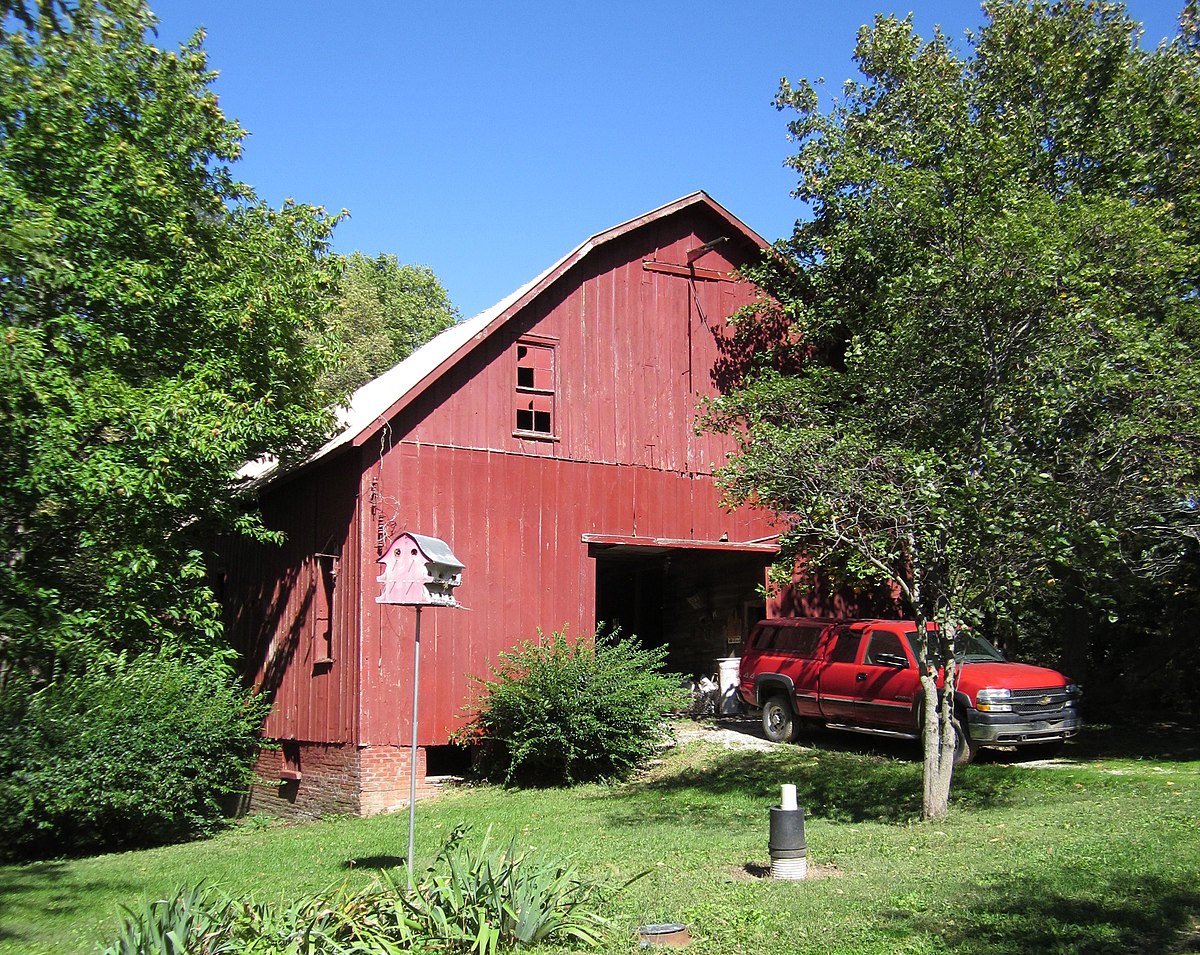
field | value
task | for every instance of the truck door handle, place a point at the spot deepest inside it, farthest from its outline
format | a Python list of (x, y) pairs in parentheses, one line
[(860, 678)]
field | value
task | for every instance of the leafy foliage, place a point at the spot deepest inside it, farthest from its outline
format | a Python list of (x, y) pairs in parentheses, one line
[(485, 901), (504, 899), (557, 711), (994, 305), (129, 753), (384, 312), (155, 321), (196, 921)]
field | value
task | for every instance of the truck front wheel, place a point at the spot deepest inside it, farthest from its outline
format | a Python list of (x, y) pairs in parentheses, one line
[(965, 748), (779, 722)]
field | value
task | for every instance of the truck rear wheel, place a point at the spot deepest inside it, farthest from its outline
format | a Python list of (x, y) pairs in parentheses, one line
[(779, 722)]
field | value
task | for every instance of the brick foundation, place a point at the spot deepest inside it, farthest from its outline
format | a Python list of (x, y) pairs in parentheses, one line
[(335, 779), (385, 781)]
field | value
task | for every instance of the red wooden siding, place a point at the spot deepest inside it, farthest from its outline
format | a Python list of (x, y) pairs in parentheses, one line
[(634, 356), (517, 523), (297, 621)]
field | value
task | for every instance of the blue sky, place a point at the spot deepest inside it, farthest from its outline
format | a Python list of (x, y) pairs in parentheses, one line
[(486, 140)]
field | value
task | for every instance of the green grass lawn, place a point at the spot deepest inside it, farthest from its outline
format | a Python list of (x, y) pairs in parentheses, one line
[(1099, 855)]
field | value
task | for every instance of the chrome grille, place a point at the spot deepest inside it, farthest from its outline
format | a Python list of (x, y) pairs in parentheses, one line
[(1041, 704)]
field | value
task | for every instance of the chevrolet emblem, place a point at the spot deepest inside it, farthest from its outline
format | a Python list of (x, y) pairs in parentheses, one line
[(1044, 701)]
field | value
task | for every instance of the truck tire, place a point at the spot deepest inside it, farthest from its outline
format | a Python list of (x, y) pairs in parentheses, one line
[(965, 748), (779, 722)]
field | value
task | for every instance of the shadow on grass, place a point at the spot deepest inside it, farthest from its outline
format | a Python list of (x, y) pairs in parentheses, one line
[(1109, 733), (1123, 913), (38, 888), (1116, 734), (374, 862), (19, 881), (843, 787)]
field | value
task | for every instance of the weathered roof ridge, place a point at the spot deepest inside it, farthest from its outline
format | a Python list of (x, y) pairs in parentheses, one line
[(379, 400)]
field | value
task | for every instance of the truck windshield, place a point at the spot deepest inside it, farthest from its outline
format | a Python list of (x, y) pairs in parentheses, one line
[(971, 648)]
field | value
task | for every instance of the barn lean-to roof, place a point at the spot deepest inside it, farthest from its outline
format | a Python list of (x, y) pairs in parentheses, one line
[(382, 398)]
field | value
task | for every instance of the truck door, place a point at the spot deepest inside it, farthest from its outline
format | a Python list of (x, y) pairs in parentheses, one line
[(840, 688), (888, 682)]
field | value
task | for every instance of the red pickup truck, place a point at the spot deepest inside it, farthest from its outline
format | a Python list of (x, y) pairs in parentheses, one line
[(861, 675)]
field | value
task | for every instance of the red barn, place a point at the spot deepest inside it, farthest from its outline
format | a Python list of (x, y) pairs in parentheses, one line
[(550, 442)]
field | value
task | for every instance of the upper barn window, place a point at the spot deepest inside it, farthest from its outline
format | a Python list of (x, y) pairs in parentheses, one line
[(535, 388)]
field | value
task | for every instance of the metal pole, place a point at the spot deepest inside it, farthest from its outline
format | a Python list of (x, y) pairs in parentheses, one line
[(412, 758)]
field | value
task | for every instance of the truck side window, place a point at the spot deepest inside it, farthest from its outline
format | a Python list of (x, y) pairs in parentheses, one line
[(846, 647), (801, 641), (766, 637), (885, 650)]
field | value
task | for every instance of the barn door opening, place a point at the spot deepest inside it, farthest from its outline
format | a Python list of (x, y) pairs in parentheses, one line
[(697, 602)]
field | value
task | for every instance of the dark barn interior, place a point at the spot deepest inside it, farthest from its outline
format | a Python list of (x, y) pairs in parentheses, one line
[(697, 602)]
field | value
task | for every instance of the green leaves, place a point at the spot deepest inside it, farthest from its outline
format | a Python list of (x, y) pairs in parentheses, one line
[(384, 312), (156, 323), (130, 753), (494, 899), (993, 314), (483, 901), (995, 305), (561, 712)]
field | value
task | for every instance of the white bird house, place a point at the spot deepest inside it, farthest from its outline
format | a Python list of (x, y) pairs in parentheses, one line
[(419, 571)]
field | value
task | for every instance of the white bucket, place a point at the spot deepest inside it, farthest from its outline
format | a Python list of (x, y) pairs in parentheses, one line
[(729, 671)]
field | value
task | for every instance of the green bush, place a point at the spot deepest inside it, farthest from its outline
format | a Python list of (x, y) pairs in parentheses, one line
[(125, 753), (557, 711), (196, 921)]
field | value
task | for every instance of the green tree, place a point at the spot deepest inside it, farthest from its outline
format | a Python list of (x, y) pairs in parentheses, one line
[(33, 14), (994, 308), (155, 319), (384, 312)]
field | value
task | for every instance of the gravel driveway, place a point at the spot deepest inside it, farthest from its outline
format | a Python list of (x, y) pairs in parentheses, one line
[(732, 733)]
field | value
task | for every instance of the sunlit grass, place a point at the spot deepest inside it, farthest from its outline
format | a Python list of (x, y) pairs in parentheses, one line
[(1092, 856)]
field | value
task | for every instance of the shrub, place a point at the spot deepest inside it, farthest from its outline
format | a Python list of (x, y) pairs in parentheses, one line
[(556, 711), (128, 752), (196, 921)]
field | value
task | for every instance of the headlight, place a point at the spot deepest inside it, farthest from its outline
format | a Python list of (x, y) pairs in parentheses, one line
[(994, 700)]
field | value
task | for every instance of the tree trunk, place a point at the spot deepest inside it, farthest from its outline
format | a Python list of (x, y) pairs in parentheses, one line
[(936, 651), (937, 741)]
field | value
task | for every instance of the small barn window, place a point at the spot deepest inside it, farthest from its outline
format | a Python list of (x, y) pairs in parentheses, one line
[(535, 388)]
